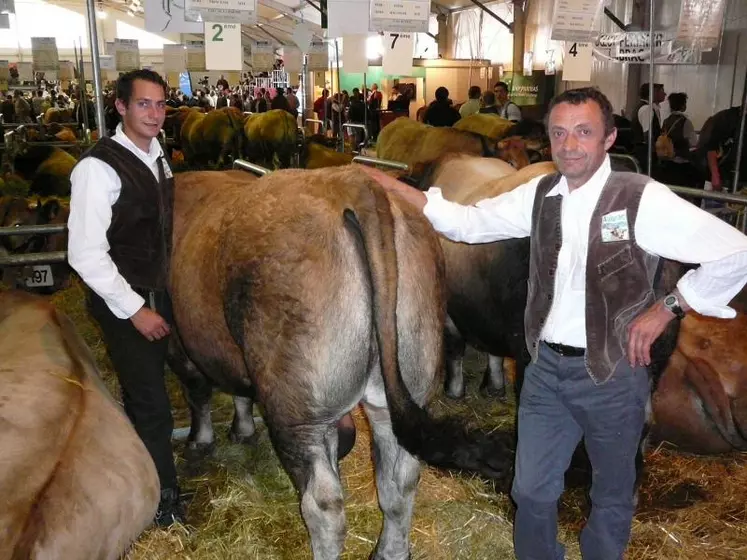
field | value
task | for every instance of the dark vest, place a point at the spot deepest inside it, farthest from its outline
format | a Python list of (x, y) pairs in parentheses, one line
[(140, 232), (619, 274), (637, 130)]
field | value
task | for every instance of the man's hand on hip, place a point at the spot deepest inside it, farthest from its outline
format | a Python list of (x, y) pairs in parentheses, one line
[(150, 324), (644, 330)]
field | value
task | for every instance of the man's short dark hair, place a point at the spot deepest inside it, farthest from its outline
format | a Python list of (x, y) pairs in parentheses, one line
[(584, 95), (504, 85), (474, 92), (488, 98), (126, 80), (442, 94), (677, 101), (643, 90)]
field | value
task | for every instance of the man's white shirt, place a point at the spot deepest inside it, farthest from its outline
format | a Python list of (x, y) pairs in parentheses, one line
[(95, 189), (667, 226)]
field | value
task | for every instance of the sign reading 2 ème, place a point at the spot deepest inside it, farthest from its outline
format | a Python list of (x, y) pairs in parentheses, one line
[(223, 49), (225, 11), (400, 15)]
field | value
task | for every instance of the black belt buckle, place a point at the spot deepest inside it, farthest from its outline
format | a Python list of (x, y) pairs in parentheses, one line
[(565, 350)]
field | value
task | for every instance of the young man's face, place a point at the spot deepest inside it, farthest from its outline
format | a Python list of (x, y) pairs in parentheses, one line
[(579, 140), (501, 95), (146, 111)]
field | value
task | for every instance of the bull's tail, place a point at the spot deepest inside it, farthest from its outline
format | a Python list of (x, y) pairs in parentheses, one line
[(442, 442)]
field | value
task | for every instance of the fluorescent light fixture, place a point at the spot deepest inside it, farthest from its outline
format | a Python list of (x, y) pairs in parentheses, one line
[(101, 14)]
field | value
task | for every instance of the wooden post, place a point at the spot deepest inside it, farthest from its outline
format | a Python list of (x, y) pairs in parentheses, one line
[(519, 26)]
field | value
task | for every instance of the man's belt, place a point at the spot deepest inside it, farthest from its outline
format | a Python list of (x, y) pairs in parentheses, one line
[(565, 350)]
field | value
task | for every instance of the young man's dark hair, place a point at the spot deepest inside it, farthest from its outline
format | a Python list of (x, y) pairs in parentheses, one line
[(488, 99), (125, 81), (643, 90), (442, 94), (504, 85), (584, 95), (474, 92), (677, 101)]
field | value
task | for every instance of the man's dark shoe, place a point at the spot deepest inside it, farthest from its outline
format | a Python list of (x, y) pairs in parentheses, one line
[(170, 509)]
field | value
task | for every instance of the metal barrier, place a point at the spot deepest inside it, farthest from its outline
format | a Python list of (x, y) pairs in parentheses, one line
[(741, 222), (322, 126), (251, 167), (381, 162), (30, 259), (628, 159), (358, 126)]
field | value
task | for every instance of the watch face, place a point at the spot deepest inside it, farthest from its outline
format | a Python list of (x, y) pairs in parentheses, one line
[(670, 300)]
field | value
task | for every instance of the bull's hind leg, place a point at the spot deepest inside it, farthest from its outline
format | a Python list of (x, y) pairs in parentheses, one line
[(494, 379), (309, 455), (242, 428), (454, 347), (397, 474)]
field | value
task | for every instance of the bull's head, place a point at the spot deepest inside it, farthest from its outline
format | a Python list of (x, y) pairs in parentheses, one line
[(17, 212), (513, 150)]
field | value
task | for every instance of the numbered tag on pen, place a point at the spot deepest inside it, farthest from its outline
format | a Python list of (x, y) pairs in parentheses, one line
[(397, 59)]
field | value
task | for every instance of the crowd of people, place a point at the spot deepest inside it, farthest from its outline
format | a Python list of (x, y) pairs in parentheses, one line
[(23, 107)]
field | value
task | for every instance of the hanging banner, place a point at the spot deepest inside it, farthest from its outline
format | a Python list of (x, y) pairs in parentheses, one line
[(577, 61), (400, 15), (44, 54), (169, 16), (4, 75), (67, 70), (318, 56), (196, 56), (8, 6), (263, 56), (292, 60), (575, 20), (224, 11), (126, 54), (302, 36), (223, 46), (633, 47), (354, 57), (700, 23), (107, 62), (4, 21), (347, 17), (397, 59), (25, 72), (174, 58)]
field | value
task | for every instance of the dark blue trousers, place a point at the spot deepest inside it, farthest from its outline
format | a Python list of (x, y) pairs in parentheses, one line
[(559, 405)]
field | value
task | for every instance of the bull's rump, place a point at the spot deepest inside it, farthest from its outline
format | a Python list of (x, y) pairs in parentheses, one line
[(76, 480), (271, 289)]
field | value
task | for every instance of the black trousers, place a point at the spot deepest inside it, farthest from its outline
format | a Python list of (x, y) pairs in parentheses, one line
[(139, 365)]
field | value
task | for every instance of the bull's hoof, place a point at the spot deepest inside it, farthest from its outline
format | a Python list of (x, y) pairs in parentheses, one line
[(493, 392), (455, 394), (244, 439), (196, 451), (374, 556)]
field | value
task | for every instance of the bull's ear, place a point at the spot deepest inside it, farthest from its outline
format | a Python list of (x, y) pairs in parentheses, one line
[(51, 209), (35, 204)]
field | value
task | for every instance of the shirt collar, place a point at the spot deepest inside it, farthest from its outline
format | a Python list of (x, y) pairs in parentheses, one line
[(151, 155), (596, 181)]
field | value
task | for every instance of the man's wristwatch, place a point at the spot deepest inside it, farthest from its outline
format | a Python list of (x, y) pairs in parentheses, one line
[(672, 303)]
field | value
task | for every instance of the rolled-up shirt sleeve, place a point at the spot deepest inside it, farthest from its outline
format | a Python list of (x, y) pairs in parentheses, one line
[(506, 216), (93, 195), (671, 227)]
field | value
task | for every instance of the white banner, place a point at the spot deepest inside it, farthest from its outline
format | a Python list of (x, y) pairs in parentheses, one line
[(4, 21), (174, 58), (4, 75), (225, 11), (347, 17), (292, 60), (302, 36), (223, 46), (400, 15), (397, 59), (575, 20), (126, 54), (196, 56), (25, 72), (169, 16), (263, 56), (354, 57), (67, 70), (106, 62), (44, 54), (8, 6), (700, 23), (577, 62), (318, 56), (633, 47)]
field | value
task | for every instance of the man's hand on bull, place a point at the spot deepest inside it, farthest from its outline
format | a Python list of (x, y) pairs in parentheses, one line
[(390, 184), (150, 324), (644, 330)]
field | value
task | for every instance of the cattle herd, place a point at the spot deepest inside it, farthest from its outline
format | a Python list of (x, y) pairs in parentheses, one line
[(311, 292)]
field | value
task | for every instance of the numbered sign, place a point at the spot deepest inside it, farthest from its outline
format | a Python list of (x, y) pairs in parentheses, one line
[(354, 59), (223, 46), (397, 59), (577, 62), (196, 56), (40, 276)]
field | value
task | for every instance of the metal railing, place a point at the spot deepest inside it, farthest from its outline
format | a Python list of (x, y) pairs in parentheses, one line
[(30, 259), (251, 167), (366, 160), (626, 159), (740, 219), (322, 126), (358, 126)]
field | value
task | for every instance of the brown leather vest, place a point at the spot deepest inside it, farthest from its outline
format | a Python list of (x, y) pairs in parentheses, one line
[(140, 232), (619, 274)]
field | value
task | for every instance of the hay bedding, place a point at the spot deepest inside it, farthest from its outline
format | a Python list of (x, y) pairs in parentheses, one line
[(244, 506)]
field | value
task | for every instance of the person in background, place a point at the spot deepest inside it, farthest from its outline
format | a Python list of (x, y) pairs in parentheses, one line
[(640, 123), (397, 101), (507, 109), (440, 112), (717, 147), (321, 108), (8, 109), (472, 105), (375, 101), (280, 101), (261, 104), (119, 243), (22, 108), (37, 103), (488, 104), (679, 169), (222, 83), (293, 102)]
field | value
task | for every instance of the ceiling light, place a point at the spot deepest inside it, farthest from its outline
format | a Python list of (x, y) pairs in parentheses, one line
[(101, 14)]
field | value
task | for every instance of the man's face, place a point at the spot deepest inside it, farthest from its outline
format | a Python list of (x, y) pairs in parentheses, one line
[(578, 140), (659, 95), (501, 95), (145, 113)]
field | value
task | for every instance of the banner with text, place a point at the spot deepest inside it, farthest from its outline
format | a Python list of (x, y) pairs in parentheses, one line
[(196, 56), (399, 15), (575, 20), (700, 24), (126, 54), (634, 47), (174, 58), (318, 56), (263, 56), (44, 54), (225, 11), (169, 16)]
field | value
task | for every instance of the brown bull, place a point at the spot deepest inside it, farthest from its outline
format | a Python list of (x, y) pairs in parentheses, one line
[(316, 156), (270, 138), (210, 138), (488, 125), (419, 145), (76, 481), (329, 296)]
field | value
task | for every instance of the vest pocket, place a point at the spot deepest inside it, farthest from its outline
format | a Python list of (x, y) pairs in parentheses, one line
[(611, 265)]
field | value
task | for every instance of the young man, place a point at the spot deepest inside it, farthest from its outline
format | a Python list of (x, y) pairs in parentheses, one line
[(120, 244), (591, 317), (472, 105), (640, 123), (507, 109)]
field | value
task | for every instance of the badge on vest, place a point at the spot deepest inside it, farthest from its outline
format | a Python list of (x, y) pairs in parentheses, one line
[(615, 226), (167, 171)]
